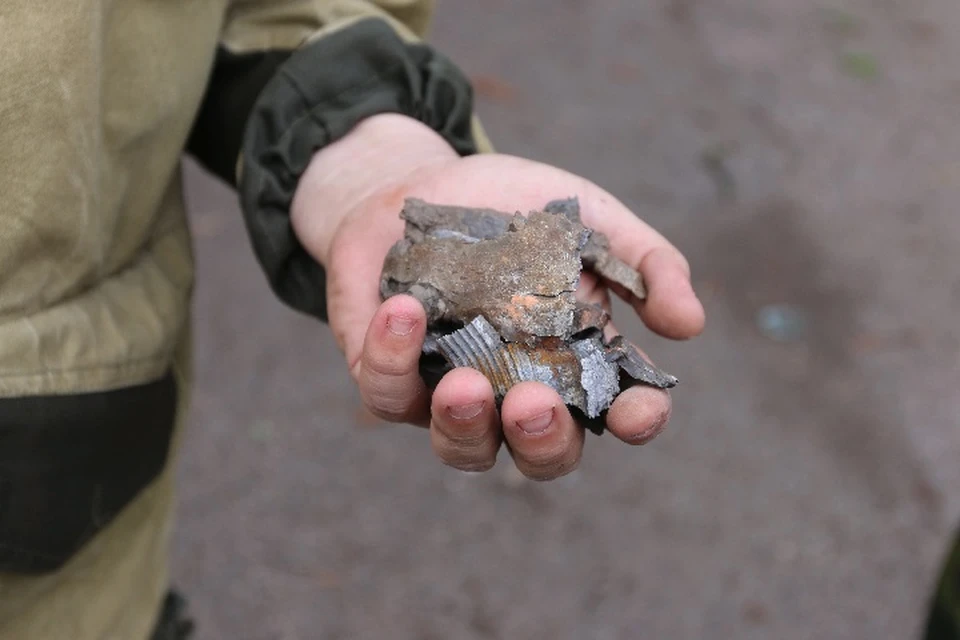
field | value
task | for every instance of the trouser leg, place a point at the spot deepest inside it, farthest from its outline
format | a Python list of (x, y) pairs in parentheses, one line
[(174, 622), (114, 588)]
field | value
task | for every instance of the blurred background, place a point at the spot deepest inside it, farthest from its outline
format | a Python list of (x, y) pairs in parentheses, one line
[(806, 158)]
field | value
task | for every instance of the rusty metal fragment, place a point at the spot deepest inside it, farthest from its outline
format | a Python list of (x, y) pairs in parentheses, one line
[(580, 370), (499, 292), (628, 358), (596, 254), (459, 269)]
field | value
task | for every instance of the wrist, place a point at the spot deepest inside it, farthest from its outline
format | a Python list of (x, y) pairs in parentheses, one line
[(381, 152)]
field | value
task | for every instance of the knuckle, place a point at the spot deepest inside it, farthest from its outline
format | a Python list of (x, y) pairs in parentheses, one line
[(389, 407), (477, 465), (479, 455), (466, 437), (388, 364), (545, 457), (552, 471), (396, 398), (549, 463)]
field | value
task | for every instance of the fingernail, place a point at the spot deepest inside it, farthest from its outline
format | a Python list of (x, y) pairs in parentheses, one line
[(537, 424), (466, 411), (400, 325)]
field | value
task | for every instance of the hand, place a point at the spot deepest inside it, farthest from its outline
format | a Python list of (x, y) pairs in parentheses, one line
[(346, 213)]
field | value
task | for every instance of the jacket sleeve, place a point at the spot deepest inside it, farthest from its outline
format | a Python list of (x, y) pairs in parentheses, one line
[(292, 77)]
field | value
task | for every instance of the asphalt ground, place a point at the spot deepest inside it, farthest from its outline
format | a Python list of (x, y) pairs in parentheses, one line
[(805, 158)]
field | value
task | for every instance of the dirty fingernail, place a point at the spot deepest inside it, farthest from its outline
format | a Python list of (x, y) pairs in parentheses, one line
[(466, 411), (400, 325), (537, 424)]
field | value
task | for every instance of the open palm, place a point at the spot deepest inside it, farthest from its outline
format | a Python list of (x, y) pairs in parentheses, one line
[(382, 341)]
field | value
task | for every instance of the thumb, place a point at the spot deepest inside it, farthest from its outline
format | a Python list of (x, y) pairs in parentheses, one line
[(354, 267), (353, 298), (388, 371)]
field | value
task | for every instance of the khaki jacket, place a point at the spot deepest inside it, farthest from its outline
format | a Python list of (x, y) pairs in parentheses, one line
[(99, 99)]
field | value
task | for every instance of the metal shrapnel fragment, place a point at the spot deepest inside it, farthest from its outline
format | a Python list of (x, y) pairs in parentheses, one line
[(579, 371), (634, 365), (596, 254), (499, 292), (600, 380), (523, 290)]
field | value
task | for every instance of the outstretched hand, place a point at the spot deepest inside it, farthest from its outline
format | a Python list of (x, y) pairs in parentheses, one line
[(346, 213)]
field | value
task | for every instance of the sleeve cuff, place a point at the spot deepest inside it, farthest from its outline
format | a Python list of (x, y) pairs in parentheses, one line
[(316, 97), (235, 83)]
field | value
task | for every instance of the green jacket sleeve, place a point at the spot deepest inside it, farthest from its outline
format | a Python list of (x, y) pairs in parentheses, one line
[(313, 101), (270, 107), (943, 621)]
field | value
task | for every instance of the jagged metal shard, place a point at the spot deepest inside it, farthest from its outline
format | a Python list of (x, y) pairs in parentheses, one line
[(634, 365), (596, 253), (459, 271), (499, 291), (579, 370)]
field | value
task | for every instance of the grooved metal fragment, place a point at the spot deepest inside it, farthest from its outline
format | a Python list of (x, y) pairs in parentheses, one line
[(479, 346)]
